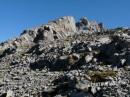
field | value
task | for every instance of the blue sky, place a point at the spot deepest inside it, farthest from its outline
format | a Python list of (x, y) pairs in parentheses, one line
[(17, 15)]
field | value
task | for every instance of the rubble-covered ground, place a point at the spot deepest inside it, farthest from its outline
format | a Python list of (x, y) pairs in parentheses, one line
[(66, 59)]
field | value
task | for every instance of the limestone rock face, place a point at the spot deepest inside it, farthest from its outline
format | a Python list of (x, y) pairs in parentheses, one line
[(64, 24), (59, 29)]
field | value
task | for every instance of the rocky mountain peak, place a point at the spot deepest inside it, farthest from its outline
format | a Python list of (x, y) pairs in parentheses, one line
[(65, 58), (61, 28)]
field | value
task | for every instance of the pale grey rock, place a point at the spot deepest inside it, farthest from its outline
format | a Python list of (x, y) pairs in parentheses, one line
[(88, 58), (10, 93), (104, 40), (63, 57), (122, 61), (93, 90)]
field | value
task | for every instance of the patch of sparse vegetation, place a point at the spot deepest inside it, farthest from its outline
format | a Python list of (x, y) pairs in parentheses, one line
[(97, 76)]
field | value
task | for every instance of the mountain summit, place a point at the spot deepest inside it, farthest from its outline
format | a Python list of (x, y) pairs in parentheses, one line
[(65, 58)]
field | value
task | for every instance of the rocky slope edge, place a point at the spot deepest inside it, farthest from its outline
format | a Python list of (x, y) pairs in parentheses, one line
[(66, 58)]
